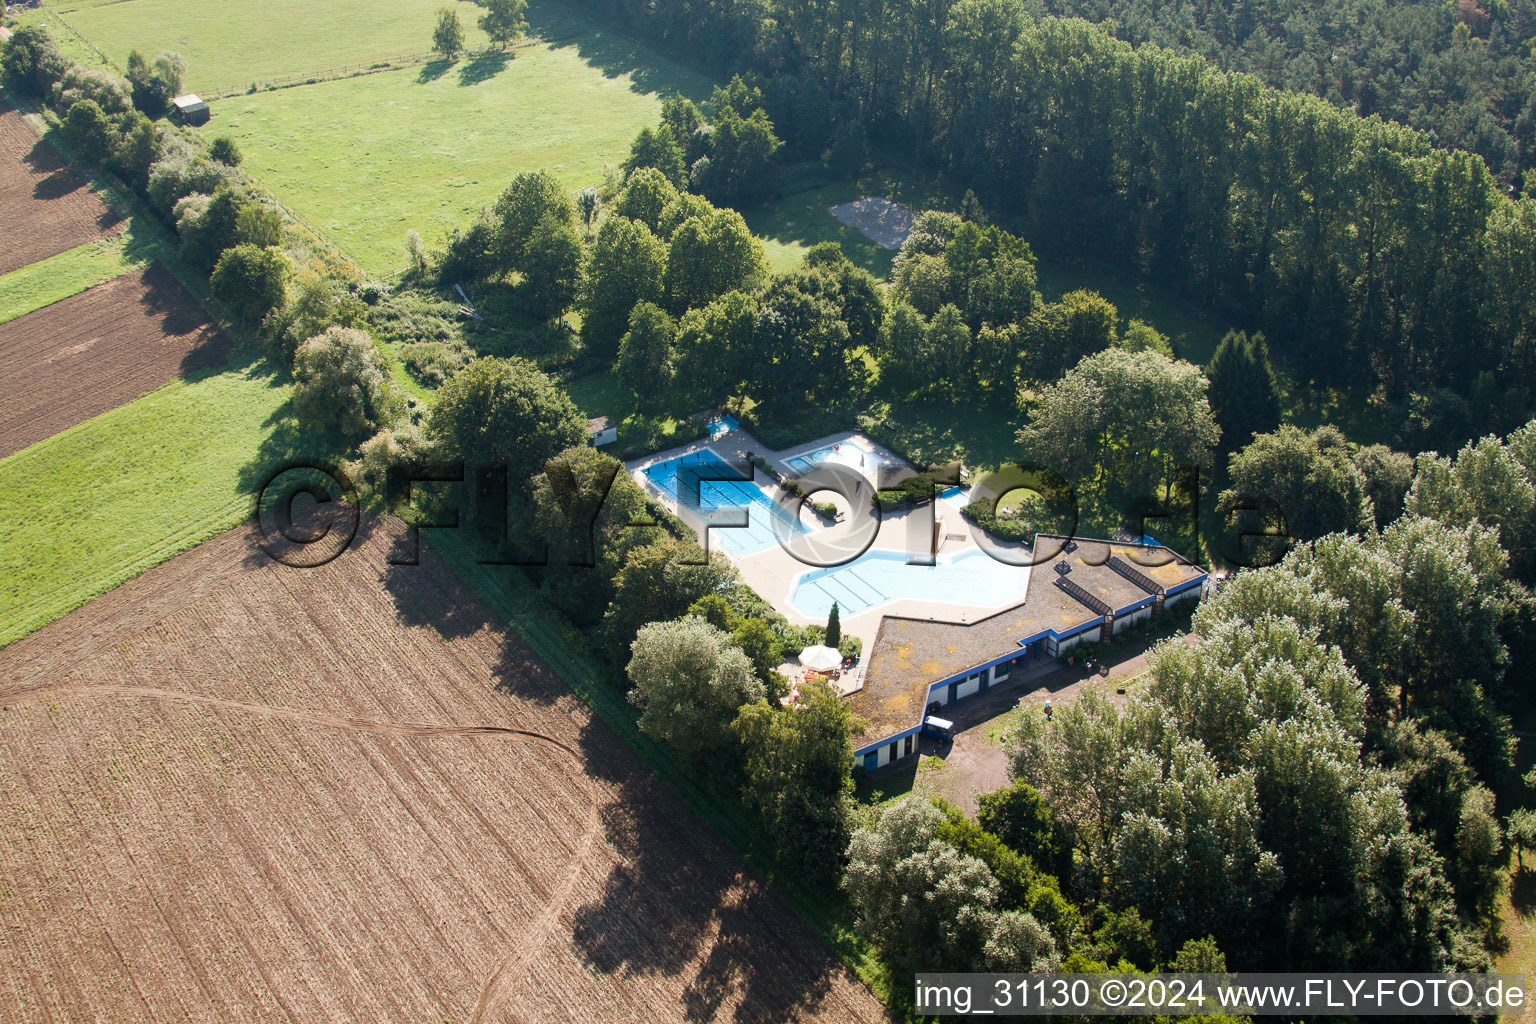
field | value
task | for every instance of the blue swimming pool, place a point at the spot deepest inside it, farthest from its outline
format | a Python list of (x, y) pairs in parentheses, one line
[(722, 425), (971, 577), (847, 453), (703, 482)]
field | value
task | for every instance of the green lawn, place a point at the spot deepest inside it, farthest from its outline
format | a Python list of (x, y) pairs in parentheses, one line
[(69, 273), (365, 159), (101, 502), (604, 394), (790, 225), (236, 42)]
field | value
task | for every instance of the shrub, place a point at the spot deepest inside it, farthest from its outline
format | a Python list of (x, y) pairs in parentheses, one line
[(110, 92), (1033, 514), (250, 280), (180, 171), (917, 488), (209, 225), (340, 383), (260, 224), (311, 307), (381, 454), (225, 151), (433, 362), (87, 131)]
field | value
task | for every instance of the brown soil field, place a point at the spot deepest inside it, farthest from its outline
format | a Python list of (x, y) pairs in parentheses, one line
[(232, 790), (96, 350), (49, 208)]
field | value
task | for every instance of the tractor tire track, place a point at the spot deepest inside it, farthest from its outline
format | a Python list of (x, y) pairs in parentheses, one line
[(525, 946)]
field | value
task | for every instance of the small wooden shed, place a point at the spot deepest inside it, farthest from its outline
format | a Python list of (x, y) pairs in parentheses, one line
[(191, 109), (602, 431)]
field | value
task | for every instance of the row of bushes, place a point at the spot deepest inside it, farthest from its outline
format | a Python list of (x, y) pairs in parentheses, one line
[(107, 122)]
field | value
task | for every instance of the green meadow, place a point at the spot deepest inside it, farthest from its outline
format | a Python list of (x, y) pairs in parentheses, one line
[(366, 159), (98, 504), (230, 45), (58, 277)]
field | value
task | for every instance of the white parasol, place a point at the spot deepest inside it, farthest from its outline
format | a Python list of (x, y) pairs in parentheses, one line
[(821, 658)]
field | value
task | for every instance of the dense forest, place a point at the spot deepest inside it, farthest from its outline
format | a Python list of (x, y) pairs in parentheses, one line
[(1460, 71), (1381, 264)]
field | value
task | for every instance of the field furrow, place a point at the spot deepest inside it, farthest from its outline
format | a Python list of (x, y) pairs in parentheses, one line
[(237, 791)]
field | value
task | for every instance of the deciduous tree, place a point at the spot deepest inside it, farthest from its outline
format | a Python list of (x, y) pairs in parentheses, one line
[(448, 36), (690, 683), (796, 761), (626, 265), (340, 383), (505, 412), (503, 21), (646, 361)]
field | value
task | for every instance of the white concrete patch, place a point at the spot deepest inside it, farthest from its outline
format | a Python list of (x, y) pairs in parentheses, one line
[(883, 222)]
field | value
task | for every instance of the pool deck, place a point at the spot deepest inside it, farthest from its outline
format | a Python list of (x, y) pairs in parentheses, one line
[(773, 572)]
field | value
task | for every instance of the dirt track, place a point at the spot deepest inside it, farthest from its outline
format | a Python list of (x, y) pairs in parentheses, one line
[(94, 351), (232, 790), (49, 208)]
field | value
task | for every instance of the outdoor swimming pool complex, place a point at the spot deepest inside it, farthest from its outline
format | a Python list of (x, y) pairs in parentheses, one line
[(876, 577), (702, 481)]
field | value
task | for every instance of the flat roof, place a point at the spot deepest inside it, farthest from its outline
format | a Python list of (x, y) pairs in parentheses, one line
[(909, 655)]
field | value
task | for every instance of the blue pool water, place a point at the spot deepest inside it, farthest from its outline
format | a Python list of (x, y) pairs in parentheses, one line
[(722, 425), (970, 577), (680, 479), (847, 453)]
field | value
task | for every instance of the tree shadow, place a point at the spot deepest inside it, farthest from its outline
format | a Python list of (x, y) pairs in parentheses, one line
[(432, 70), (483, 67), (613, 54), (427, 592), (180, 315), (677, 901), (1522, 891)]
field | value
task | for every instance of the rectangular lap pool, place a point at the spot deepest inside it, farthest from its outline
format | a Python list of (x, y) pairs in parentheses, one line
[(970, 578), (703, 482)]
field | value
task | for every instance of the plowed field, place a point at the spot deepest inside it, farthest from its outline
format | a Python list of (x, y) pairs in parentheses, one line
[(96, 350), (48, 206), (231, 790)]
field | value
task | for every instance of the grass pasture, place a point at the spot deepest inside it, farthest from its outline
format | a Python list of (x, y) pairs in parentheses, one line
[(366, 159), (58, 277), (243, 42), (101, 502)]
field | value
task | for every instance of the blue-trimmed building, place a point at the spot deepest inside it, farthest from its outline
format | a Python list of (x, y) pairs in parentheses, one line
[(1080, 589)]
